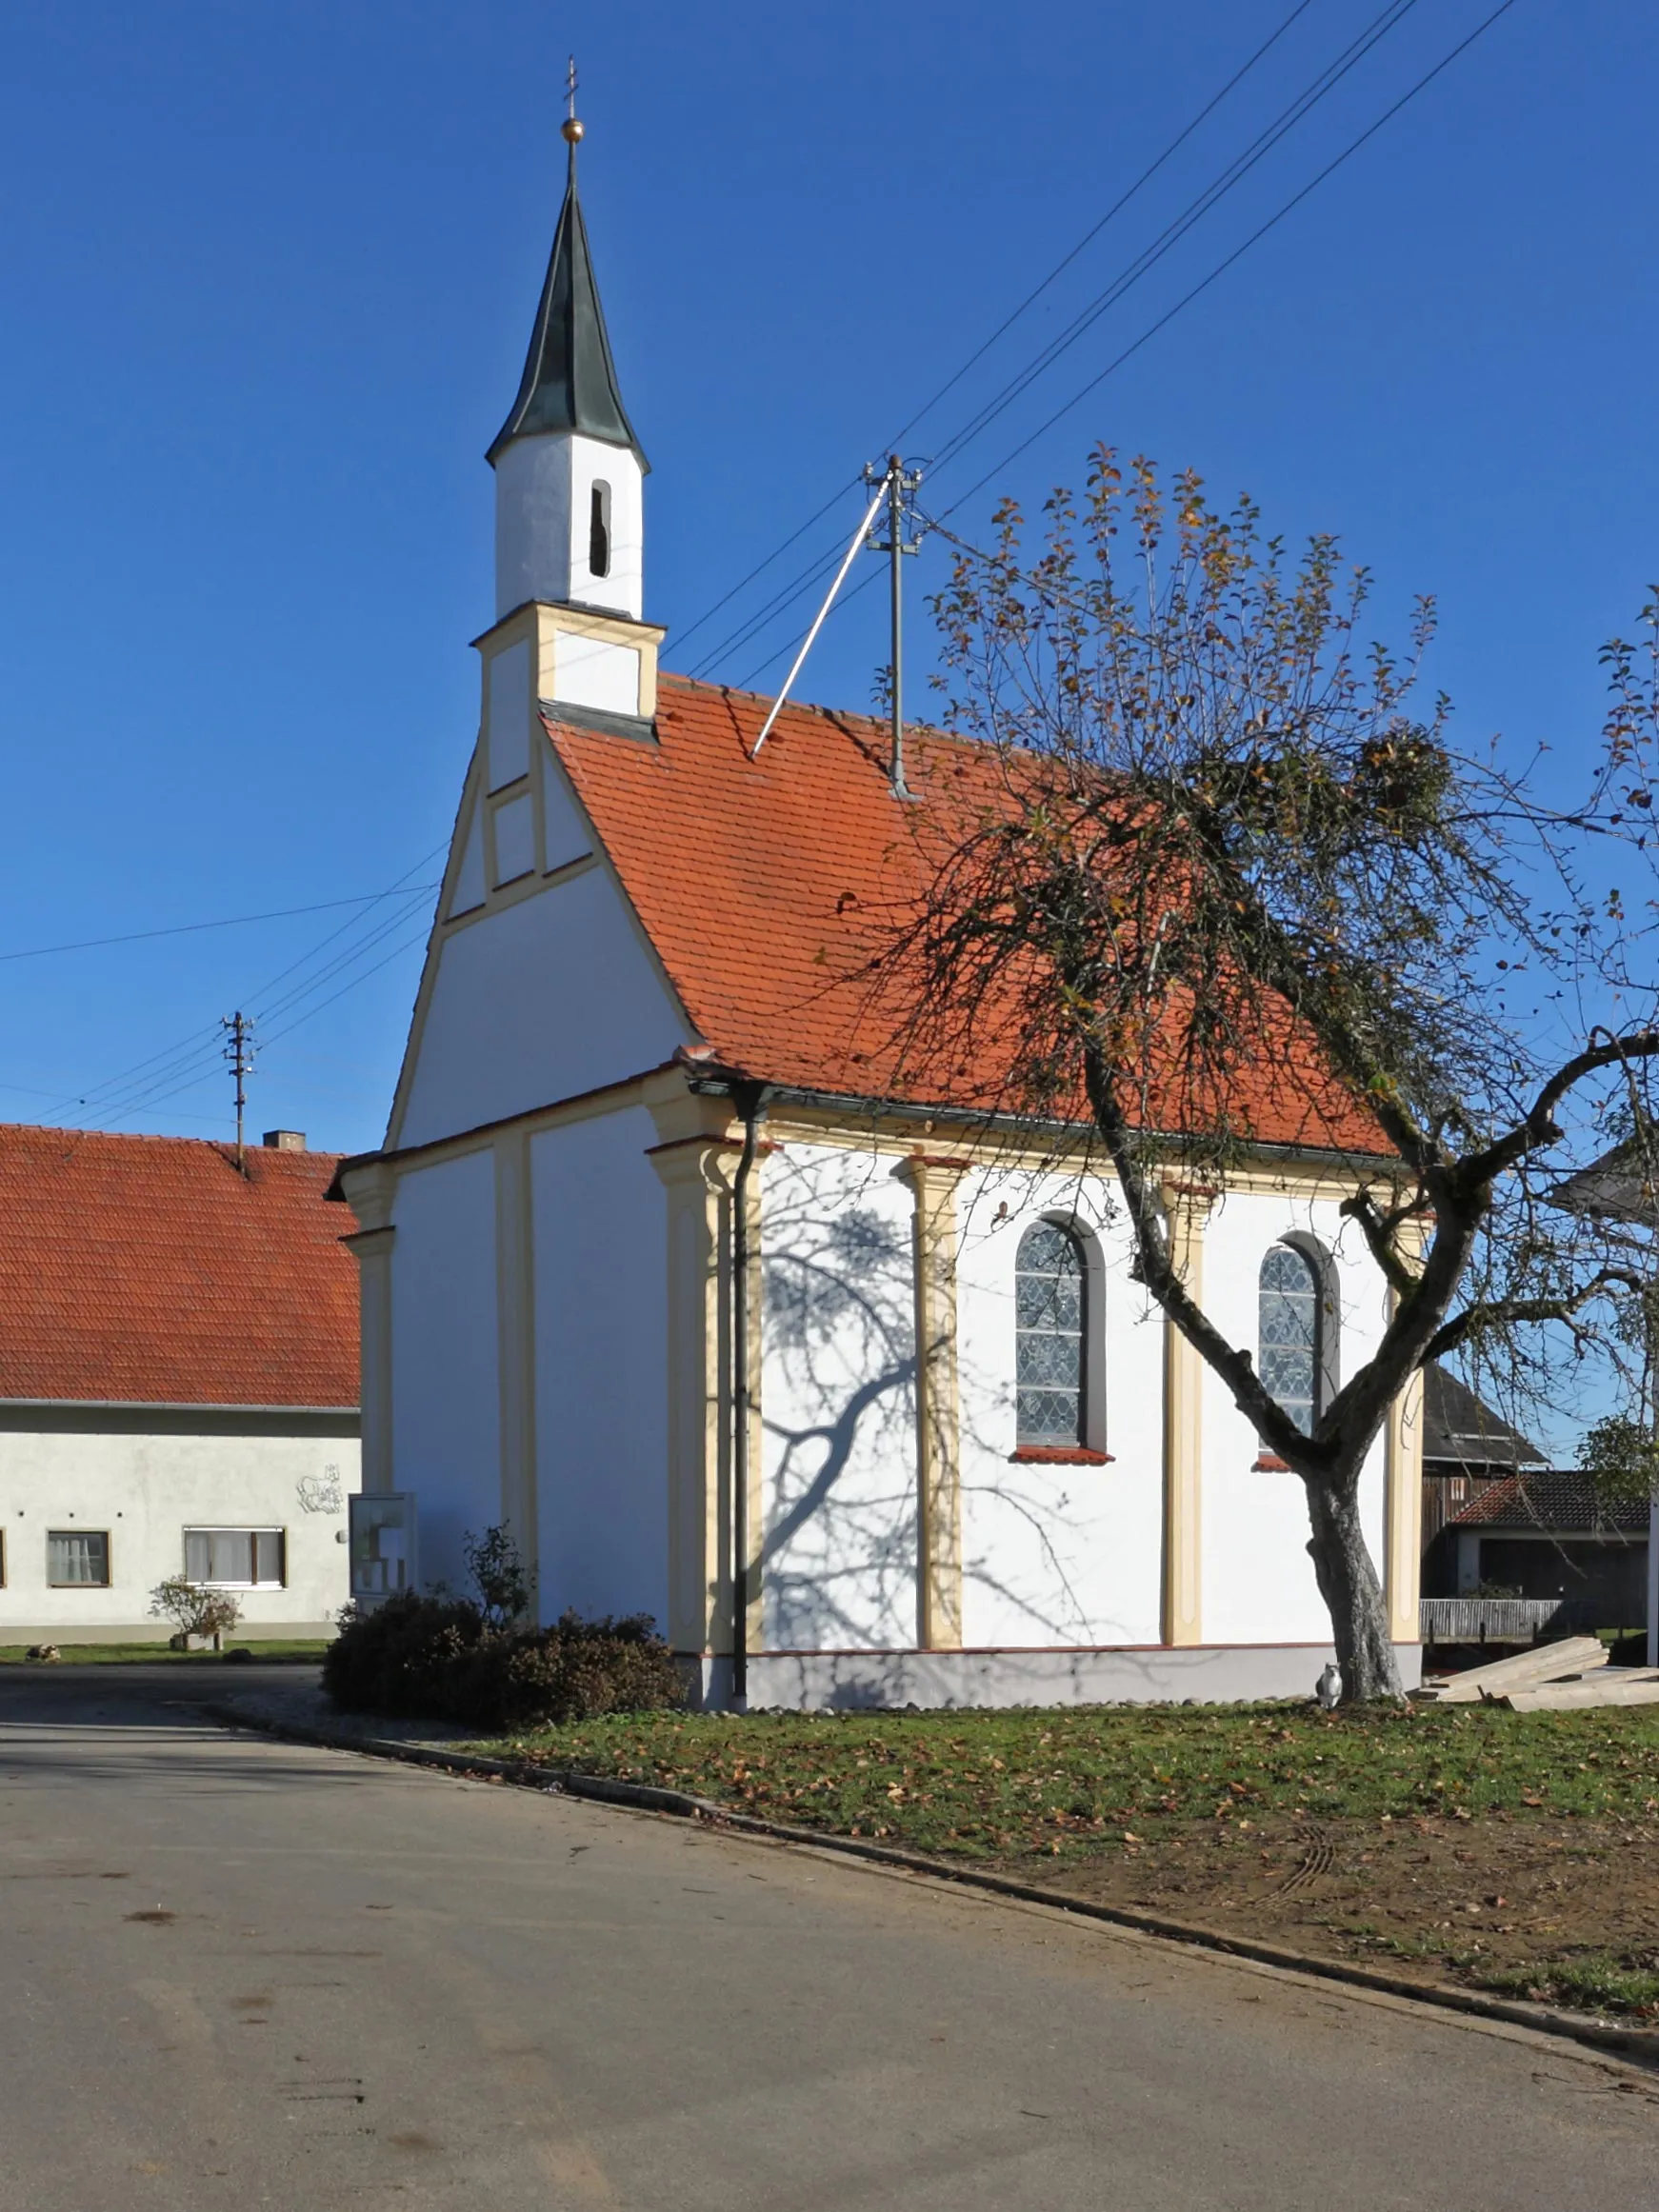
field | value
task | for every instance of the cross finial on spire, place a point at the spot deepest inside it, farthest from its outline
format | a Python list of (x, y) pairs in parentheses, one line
[(571, 128)]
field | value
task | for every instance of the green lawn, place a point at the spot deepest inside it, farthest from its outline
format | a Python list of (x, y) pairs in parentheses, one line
[(114, 1654), (1076, 1784)]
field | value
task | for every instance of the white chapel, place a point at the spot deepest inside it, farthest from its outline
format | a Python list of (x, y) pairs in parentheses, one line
[(852, 1391)]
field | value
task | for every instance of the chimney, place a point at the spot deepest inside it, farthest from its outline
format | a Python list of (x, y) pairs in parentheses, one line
[(284, 1140)]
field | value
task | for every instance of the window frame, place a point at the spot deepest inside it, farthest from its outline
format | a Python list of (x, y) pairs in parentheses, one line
[(1326, 1314), (80, 1582), (1078, 1443), (253, 1531)]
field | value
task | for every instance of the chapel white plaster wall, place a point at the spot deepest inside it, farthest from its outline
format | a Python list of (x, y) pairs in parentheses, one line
[(543, 999), (1258, 1583), (445, 1388), (837, 1401), (543, 490), (1056, 1554), (601, 1368), (143, 1491)]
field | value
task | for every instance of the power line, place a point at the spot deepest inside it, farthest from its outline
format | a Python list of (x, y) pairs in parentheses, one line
[(1222, 267), (1186, 300), (193, 928), (1216, 190), (149, 1080), (1227, 179), (1090, 235), (1006, 324)]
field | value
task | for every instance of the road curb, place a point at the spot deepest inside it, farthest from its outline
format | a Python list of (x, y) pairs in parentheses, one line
[(1627, 2043)]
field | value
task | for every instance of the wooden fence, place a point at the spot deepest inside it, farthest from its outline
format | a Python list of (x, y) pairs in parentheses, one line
[(1495, 1620)]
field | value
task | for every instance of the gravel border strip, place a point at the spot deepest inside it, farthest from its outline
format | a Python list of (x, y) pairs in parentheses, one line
[(1629, 2044)]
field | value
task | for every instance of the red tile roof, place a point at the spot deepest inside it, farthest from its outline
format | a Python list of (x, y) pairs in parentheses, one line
[(765, 885), (1556, 1499), (146, 1270)]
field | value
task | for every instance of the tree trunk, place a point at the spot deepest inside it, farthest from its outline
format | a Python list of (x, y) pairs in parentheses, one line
[(1353, 1597)]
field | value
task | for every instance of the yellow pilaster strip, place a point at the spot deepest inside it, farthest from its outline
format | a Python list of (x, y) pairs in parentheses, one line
[(694, 1178), (1403, 1501), (1187, 1211), (515, 1344), (370, 1193), (1404, 1494), (938, 1405)]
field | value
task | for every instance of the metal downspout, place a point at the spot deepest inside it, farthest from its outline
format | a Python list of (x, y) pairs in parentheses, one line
[(747, 1098)]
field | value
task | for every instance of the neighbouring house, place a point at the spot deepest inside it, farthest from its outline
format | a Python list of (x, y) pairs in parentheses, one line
[(1466, 1448), (178, 1382), (665, 1268), (1545, 1533)]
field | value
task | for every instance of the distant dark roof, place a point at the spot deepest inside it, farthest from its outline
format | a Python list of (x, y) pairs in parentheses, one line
[(1619, 1186), (1558, 1499), (569, 378), (1462, 1429)]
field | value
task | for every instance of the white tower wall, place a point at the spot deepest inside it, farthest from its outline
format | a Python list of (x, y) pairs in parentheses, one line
[(544, 489)]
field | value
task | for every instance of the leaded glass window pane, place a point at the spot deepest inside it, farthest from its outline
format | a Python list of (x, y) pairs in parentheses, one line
[(1049, 1321), (1288, 1328)]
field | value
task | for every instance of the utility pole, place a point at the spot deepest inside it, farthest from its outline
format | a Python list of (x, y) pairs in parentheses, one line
[(900, 484), (239, 1053)]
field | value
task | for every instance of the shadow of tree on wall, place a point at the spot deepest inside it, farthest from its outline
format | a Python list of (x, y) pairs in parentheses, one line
[(1029, 1531), (839, 1551)]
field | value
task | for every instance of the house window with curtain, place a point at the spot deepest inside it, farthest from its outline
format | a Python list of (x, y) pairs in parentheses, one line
[(1291, 1353), (1050, 1318), (236, 1558), (77, 1558)]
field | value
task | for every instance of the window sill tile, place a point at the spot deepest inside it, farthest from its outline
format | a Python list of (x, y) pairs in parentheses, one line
[(1045, 1455)]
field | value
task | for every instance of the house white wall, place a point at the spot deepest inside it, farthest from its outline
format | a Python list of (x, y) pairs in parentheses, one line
[(1258, 1583), (1063, 1565), (1056, 1554), (536, 1001), (445, 1388), (143, 1489), (601, 1366), (543, 493), (837, 1401)]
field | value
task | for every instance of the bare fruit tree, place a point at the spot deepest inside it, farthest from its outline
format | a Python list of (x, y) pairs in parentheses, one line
[(1235, 893)]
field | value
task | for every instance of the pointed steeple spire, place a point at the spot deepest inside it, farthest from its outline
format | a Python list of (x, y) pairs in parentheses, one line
[(569, 378)]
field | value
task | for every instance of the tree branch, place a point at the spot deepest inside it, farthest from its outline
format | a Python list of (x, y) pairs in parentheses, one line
[(1253, 1400), (1509, 1312), (1378, 1230), (1539, 1128)]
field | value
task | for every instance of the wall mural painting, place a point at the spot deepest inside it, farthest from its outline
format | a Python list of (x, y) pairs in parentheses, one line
[(323, 1493)]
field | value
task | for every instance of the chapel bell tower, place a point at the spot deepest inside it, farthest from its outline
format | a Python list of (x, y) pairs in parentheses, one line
[(569, 480)]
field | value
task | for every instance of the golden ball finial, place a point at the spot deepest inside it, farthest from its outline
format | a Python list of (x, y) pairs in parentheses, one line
[(571, 130)]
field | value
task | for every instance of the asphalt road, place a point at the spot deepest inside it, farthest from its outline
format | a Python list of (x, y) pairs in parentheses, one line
[(240, 1973)]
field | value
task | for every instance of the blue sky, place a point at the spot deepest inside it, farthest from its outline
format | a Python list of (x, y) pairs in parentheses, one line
[(267, 279)]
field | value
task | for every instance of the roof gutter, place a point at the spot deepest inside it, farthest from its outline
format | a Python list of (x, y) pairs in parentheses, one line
[(709, 1078)]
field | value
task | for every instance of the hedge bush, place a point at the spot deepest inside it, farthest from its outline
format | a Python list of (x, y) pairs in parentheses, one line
[(441, 1659)]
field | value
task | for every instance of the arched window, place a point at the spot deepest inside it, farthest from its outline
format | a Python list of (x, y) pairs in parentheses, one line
[(1050, 1300), (1290, 1326), (599, 530)]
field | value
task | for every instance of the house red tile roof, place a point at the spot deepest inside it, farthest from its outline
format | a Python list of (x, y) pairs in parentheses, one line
[(148, 1270), (1558, 1500), (765, 885)]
